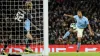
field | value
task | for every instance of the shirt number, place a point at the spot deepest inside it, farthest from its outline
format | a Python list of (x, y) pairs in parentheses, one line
[(19, 16)]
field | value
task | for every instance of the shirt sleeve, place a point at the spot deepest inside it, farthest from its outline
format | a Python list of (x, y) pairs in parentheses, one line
[(75, 17), (87, 22)]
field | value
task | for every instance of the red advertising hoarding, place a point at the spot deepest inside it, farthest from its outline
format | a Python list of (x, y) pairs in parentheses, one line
[(53, 48)]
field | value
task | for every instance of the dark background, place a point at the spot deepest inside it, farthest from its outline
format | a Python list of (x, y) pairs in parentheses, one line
[(58, 25)]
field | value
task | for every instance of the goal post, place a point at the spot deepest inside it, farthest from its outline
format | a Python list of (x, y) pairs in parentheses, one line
[(45, 16)]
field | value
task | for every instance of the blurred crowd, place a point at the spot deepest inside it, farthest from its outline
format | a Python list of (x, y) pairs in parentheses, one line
[(10, 29), (59, 25)]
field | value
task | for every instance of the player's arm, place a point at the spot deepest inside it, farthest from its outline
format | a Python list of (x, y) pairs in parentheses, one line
[(35, 26), (71, 16), (90, 30), (89, 27)]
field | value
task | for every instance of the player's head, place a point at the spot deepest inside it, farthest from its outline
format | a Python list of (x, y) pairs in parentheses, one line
[(79, 13), (28, 5)]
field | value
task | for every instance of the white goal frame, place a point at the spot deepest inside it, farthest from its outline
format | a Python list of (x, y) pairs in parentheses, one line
[(45, 21)]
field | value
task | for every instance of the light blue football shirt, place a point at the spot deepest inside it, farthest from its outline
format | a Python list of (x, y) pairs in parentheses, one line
[(81, 22), (27, 24)]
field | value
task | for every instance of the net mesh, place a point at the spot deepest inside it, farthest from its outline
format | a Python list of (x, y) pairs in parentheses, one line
[(12, 30)]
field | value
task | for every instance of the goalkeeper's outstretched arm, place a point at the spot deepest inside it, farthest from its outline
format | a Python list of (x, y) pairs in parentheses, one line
[(71, 16)]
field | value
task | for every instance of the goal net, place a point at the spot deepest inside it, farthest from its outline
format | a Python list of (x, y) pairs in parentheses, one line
[(13, 15)]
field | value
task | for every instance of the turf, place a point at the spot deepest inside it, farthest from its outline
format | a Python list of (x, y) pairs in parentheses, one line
[(75, 54), (63, 54)]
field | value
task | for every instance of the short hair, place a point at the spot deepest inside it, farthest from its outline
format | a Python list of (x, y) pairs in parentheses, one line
[(28, 4), (83, 12), (79, 11)]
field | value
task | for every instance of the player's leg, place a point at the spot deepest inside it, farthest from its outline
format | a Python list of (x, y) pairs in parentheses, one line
[(4, 48), (67, 33), (79, 36), (78, 44), (72, 29), (28, 41)]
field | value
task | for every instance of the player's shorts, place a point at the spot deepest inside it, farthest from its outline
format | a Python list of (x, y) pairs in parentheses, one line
[(76, 29), (79, 32)]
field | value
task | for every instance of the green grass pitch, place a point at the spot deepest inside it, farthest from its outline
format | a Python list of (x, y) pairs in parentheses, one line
[(63, 54), (75, 54)]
